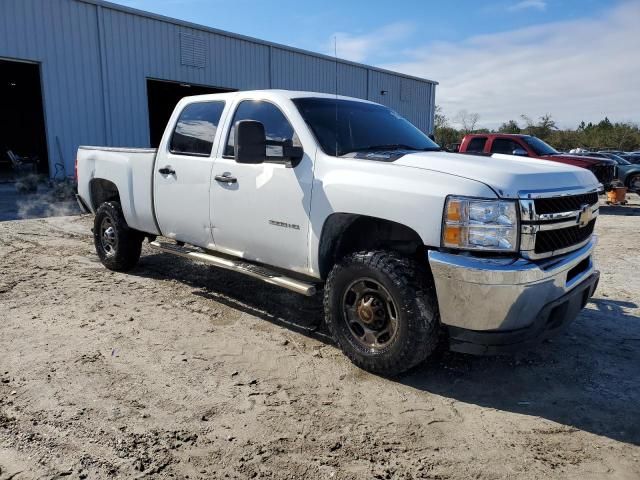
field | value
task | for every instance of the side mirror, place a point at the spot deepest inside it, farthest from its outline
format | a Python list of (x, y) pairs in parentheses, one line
[(520, 152), (250, 142)]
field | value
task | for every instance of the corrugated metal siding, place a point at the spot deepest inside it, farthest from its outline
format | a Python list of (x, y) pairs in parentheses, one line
[(137, 48), (95, 59), (410, 98), (292, 70), (61, 36)]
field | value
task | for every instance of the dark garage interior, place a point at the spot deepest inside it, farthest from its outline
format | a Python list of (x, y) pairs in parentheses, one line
[(162, 97), (22, 128)]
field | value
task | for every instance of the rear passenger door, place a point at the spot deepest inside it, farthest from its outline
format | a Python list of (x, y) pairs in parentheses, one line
[(182, 176)]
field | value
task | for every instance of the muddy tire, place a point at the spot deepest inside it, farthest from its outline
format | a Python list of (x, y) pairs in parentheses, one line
[(117, 245), (382, 311)]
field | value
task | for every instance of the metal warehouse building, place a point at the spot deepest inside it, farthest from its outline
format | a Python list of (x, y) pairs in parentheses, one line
[(88, 72)]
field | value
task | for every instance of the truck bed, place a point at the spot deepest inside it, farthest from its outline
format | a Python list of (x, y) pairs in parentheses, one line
[(131, 169)]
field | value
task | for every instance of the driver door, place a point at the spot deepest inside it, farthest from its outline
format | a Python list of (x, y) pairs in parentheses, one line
[(261, 211)]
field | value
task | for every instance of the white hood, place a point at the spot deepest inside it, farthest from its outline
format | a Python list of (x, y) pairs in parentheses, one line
[(509, 176)]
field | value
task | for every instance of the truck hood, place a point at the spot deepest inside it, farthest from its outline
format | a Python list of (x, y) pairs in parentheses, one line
[(509, 176)]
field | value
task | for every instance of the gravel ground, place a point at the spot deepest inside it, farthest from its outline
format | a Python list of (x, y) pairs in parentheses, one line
[(177, 370)]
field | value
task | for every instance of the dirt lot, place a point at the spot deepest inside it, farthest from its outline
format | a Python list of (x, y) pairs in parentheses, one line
[(180, 371)]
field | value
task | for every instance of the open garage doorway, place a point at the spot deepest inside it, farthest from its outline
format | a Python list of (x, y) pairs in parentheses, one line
[(22, 128), (163, 96)]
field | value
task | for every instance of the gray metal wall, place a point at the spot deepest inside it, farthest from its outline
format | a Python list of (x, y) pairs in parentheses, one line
[(95, 58)]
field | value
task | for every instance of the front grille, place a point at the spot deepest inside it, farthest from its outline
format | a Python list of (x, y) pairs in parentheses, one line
[(564, 204), (553, 240), (604, 173)]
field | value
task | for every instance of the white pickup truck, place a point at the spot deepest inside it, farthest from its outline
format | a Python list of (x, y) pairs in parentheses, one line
[(412, 245)]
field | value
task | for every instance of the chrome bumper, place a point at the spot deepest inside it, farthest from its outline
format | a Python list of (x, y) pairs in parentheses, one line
[(502, 294)]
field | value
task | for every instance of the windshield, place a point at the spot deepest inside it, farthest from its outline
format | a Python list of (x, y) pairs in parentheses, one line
[(344, 126), (540, 147)]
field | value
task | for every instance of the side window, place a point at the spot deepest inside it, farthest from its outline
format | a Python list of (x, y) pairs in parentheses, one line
[(476, 144), (196, 129), (504, 145), (277, 128)]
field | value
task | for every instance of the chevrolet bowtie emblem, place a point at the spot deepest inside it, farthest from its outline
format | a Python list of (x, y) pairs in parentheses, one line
[(585, 216)]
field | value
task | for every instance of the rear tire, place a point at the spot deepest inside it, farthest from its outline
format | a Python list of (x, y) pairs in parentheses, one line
[(117, 245), (381, 309)]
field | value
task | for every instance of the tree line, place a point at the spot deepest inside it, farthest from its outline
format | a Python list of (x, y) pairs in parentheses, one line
[(591, 136)]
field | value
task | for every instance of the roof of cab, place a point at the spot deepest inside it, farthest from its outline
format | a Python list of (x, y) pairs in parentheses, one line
[(273, 94)]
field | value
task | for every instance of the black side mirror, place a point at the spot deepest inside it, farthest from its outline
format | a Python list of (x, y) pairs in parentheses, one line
[(250, 142)]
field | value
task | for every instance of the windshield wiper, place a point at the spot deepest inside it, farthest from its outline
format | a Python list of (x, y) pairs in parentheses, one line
[(391, 146)]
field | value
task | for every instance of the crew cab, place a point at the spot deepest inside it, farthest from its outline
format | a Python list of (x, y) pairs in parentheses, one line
[(308, 191), (532, 147)]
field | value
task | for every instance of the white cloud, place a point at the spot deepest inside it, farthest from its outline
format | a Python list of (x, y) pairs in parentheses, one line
[(528, 4), (358, 47), (575, 70)]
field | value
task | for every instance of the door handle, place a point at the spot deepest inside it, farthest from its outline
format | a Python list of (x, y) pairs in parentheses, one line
[(226, 178), (167, 171)]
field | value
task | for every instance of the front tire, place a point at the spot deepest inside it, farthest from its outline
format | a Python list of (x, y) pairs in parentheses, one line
[(634, 184), (382, 311), (117, 245)]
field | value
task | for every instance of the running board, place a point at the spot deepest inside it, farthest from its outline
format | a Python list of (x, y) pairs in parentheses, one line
[(250, 269)]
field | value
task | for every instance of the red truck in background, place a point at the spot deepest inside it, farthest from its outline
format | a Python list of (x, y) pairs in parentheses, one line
[(533, 147)]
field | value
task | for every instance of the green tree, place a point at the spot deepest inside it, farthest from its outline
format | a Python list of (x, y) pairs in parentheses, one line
[(510, 127), (444, 134)]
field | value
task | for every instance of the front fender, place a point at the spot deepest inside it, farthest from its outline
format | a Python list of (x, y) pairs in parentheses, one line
[(409, 196)]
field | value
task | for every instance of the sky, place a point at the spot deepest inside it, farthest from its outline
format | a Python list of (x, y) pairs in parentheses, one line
[(575, 59)]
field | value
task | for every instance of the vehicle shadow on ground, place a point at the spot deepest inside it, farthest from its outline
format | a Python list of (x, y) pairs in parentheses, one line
[(620, 210), (585, 379), (631, 209), (287, 309)]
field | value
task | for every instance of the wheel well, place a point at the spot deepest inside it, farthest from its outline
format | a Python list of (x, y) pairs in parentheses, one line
[(101, 191), (345, 233)]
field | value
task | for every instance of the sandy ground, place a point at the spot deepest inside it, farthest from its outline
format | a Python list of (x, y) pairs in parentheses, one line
[(177, 370)]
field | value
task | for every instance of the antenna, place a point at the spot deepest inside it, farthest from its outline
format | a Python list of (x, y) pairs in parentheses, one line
[(335, 54)]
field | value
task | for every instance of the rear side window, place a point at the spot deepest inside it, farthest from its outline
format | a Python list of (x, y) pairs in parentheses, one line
[(477, 144), (196, 129), (277, 128), (504, 145)]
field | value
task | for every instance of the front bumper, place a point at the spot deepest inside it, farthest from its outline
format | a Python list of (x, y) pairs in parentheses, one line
[(492, 304)]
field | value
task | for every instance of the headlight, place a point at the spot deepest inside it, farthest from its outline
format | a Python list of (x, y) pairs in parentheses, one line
[(474, 224)]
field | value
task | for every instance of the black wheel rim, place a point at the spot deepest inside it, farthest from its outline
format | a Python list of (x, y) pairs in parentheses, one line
[(108, 237), (370, 314), (635, 183)]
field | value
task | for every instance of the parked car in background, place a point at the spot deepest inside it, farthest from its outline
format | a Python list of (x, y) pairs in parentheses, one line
[(532, 147), (627, 172), (631, 157)]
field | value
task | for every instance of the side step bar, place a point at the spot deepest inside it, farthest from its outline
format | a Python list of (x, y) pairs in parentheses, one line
[(255, 271)]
